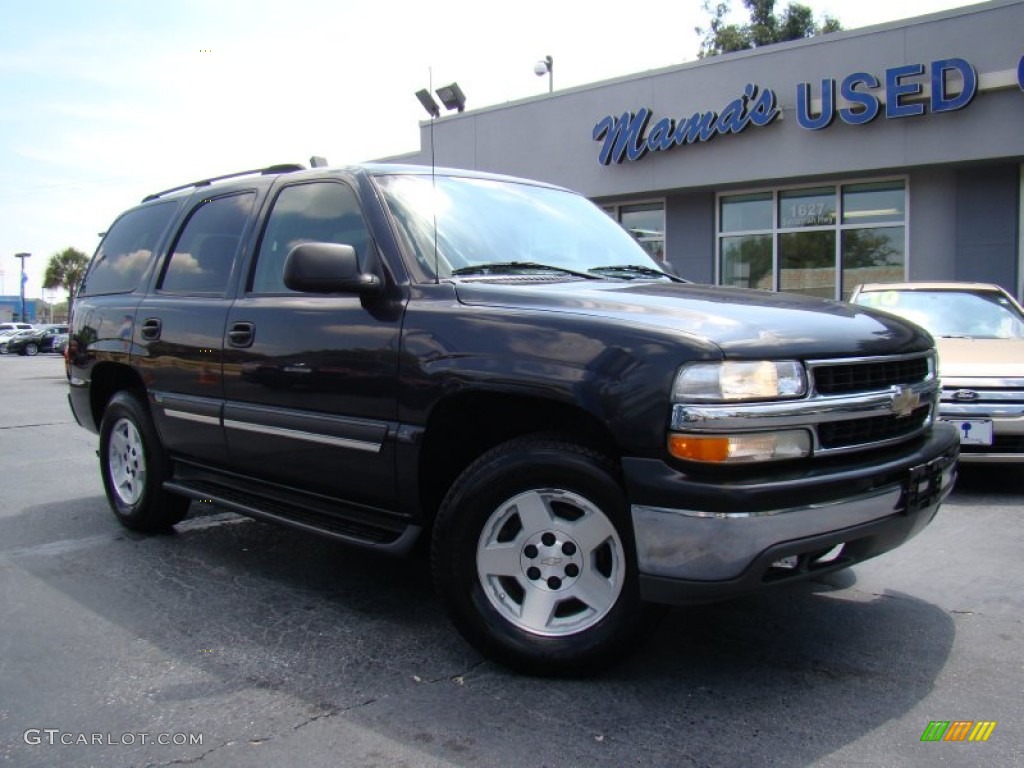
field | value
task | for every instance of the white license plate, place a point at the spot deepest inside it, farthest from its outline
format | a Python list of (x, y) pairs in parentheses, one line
[(973, 431)]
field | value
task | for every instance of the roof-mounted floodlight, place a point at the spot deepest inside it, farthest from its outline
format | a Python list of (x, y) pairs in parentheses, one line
[(452, 97), (428, 102)]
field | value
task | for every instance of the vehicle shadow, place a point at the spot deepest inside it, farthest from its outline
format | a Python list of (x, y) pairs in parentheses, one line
[(250, 623), (994, 481)]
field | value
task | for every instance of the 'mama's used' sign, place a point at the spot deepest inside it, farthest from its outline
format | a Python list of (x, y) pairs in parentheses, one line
[(900, 93)]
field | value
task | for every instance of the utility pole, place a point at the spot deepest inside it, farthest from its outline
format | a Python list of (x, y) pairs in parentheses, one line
[(22, 256)]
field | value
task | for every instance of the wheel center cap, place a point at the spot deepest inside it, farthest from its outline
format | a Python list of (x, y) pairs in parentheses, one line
[(551, 561)]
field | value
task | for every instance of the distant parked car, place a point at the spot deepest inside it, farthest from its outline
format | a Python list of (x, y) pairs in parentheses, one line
[(7, 327), (979, 333), (9, 335), (35, 341)]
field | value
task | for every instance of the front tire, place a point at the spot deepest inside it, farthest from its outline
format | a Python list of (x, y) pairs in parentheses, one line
[(31, 350), (134, 467), (533, 558)]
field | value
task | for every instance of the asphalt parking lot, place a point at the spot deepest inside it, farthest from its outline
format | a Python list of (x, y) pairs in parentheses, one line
[(242, 644)]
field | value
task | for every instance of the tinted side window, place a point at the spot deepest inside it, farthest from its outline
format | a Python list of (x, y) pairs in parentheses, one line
[(320, 212), (122, 257), (205, 250)]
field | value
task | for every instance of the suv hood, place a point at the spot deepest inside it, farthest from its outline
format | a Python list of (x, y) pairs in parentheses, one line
[(741, 322), (981, 358)]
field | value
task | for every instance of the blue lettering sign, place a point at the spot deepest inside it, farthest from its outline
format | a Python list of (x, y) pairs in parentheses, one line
[(803, 106), (764, 110), (661, 135), (896, 89), (868, 106), (1020, 73), (626, 137), (699, 127), (941, 100), (622, 136)]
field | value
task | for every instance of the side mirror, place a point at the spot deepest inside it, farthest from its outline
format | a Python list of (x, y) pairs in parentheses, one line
[(327, 268)]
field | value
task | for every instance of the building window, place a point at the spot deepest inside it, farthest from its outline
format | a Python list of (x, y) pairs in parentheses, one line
[(646, 223), (820, 241)]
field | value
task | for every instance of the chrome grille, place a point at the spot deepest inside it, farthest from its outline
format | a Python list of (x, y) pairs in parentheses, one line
[(868, 375), (842, 434), (841, 378)]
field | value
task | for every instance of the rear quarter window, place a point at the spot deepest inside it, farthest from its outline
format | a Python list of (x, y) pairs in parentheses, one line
[(127, 249)]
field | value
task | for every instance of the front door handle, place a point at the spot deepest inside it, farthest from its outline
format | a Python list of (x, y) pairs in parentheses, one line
[(151, 328), (241, 334)]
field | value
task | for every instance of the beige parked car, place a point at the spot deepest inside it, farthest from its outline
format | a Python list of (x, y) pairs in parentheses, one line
[(979, 332)]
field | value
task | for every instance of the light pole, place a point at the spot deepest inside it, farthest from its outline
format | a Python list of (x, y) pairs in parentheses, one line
[(546, 66), (22, 256)]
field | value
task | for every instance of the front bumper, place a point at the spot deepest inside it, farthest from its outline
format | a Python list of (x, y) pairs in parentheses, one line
[(999, 400), (1007, 432), (732, 538)]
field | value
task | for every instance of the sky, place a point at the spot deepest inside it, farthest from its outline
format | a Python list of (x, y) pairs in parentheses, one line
[(104, 102)]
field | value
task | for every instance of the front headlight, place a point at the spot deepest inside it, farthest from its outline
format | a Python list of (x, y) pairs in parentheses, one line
[(734, 380)]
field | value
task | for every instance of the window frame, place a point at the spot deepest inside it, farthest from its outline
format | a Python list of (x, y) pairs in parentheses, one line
[(156, 252), (248, 285), (838, 227), (614, 209), (158, 286)]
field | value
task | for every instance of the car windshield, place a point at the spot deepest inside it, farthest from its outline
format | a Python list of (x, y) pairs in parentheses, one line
[(488, 227), (979, 315)]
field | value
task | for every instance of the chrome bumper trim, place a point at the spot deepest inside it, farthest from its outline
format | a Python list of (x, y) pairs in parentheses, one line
[(706, 546)]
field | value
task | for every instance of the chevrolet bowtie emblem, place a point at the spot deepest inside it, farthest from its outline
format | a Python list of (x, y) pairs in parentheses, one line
[(904, 401)]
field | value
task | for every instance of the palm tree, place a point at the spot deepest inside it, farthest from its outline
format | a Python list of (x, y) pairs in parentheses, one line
[(66, 270)]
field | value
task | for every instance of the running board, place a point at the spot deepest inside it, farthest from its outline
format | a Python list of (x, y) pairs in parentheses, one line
[(304, 518)]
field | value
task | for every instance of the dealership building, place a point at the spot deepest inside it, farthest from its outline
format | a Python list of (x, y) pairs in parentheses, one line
[(893, 152)]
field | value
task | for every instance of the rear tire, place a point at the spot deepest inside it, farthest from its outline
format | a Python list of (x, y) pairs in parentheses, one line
[(533, 558), (134, 466)]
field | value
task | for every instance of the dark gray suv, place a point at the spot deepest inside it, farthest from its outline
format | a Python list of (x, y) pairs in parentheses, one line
[(386, 355)]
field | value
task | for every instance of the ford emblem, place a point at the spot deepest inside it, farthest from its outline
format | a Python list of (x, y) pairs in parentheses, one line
[(965, 395)]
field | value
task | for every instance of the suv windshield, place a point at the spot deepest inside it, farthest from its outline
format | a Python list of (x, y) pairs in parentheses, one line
[(982, 315), (510, 225)]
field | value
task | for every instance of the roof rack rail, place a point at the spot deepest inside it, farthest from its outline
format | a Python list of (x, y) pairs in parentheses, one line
[(268, 171)]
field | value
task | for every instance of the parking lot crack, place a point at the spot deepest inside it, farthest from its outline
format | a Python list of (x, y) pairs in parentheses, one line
[(298, 726), (40, 424), (191, 760), (332, 712), (459, 678)]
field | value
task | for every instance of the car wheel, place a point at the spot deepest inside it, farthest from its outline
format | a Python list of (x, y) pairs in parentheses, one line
[(532, 556), (134, 466), (31, 350), (3, 349)]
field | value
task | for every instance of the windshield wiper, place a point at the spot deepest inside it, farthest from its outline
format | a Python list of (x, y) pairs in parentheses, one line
[(635, 269), (511, 267)]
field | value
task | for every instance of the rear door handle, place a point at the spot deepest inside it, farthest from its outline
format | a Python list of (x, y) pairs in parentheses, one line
[(241, 334), (151, 328)]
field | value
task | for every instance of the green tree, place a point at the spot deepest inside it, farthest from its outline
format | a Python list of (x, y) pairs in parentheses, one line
[(66, 270), (765, 28)]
